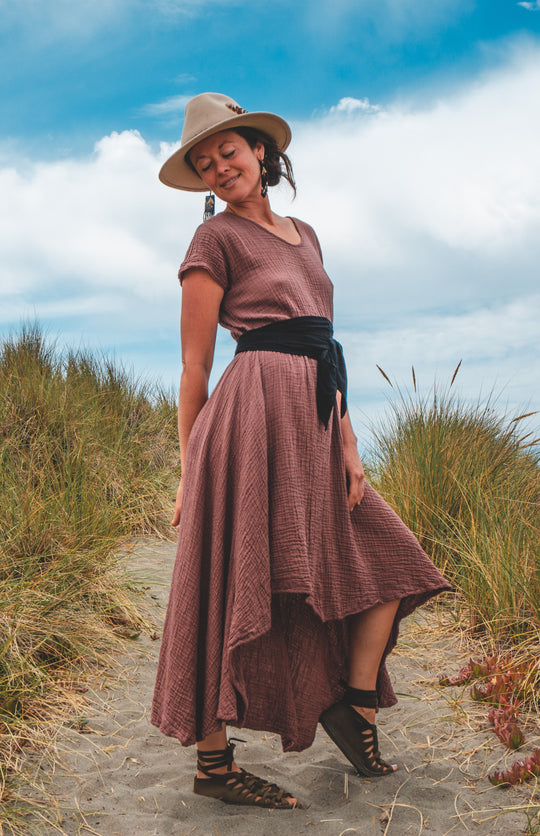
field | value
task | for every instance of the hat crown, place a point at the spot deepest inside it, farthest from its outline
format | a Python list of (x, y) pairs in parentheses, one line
[(206, 111)]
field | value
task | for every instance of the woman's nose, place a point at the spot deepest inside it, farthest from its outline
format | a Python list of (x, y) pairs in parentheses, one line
[(223, 165)]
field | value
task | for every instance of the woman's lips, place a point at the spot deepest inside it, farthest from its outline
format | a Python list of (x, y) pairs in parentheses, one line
[(230, 182)]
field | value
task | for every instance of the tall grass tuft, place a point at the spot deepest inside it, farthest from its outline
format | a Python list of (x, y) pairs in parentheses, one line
[(87, 460), (466, 480)]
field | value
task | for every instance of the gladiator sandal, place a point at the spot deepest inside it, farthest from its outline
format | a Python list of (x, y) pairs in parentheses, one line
[(353, 734), (237, 787)]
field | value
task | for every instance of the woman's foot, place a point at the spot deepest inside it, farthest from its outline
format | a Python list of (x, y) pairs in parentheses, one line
[(350, 723), (218, 776)]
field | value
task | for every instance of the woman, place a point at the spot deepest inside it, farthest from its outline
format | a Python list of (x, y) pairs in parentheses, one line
[(292, 573)]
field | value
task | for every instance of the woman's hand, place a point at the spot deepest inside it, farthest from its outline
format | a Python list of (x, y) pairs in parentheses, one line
[(178, 504), (355, 474), (356, 477)]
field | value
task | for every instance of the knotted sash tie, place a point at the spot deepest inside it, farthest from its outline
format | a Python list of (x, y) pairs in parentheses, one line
[(308, 336)]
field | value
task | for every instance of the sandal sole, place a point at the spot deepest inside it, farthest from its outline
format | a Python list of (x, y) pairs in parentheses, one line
[(216, 790)]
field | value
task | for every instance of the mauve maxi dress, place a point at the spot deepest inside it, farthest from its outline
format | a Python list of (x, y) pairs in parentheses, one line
[(270, 560)]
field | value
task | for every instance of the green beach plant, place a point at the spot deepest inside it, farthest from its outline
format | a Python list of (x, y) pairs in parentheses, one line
[(88, 460), (466, 480)]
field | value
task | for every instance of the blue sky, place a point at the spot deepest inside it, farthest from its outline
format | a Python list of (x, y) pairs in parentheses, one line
[(415, 144), (74, 71)]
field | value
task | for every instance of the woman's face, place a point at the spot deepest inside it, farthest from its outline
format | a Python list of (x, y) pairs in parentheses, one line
[(228, 166)]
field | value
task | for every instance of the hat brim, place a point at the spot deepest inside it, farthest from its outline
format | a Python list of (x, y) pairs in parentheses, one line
[(175, 171)]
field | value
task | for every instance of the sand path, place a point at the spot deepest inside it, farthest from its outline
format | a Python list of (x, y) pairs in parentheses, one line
[(123, 778)]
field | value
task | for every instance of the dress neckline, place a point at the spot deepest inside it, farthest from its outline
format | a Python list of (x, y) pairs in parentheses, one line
[(273, 234)]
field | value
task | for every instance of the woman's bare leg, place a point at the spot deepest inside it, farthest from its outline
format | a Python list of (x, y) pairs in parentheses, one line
[(369, 633)]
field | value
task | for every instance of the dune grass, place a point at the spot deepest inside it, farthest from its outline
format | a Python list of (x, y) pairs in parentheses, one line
[(88, 459), (466, 480)]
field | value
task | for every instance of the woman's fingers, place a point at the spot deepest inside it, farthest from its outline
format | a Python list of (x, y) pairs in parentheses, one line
[(355, 474), (356, 490), (177, 506)]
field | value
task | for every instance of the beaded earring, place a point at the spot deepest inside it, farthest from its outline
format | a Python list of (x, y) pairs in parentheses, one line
[(209, 206), (264, 179)]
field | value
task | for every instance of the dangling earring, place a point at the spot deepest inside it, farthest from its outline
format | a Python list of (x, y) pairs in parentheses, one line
[(264, 179), (209, 206)]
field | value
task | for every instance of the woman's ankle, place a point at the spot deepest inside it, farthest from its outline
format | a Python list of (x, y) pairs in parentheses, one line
[(213, 742), (215, 755), (367, 713)]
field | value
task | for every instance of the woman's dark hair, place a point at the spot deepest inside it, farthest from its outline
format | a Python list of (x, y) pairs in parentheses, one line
[(276, 162)]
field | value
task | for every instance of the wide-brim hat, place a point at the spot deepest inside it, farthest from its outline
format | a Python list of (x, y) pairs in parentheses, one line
[(205, 115)]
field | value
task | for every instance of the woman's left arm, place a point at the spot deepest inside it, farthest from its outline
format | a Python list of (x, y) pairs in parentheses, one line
[(353, 465)]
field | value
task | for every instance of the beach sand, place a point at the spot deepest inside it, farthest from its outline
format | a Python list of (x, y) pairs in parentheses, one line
[(118, 776)]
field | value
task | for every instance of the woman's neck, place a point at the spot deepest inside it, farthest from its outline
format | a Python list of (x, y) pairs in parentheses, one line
[(258, 211)]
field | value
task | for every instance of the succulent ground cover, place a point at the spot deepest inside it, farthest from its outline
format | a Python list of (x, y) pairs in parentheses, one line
[(505, 683)]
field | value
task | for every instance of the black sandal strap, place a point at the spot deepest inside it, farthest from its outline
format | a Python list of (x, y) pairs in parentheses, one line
[(359, 697), (216, 758)]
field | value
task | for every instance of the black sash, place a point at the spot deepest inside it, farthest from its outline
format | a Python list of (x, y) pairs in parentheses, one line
[(310, 336)]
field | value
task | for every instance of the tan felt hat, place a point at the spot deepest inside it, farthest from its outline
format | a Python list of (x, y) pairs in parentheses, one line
[(205, 115)]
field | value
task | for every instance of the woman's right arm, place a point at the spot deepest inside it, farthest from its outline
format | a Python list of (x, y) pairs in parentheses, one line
[(201, 298)]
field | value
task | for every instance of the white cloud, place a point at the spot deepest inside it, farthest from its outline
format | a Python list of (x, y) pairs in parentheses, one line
[(531, 6), (430, 225), (173, 8), (349, 105), (442, 201), (172, 105), (391, 20), (93, 240), (499, 348), (429, 219), (184, 78), (49, 20), (505, 337)]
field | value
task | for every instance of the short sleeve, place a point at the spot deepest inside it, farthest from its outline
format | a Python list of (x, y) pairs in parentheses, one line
[(207, 252), (311, 235)]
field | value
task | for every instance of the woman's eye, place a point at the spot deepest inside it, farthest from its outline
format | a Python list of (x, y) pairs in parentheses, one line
[(228, 154), (206, 167)]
